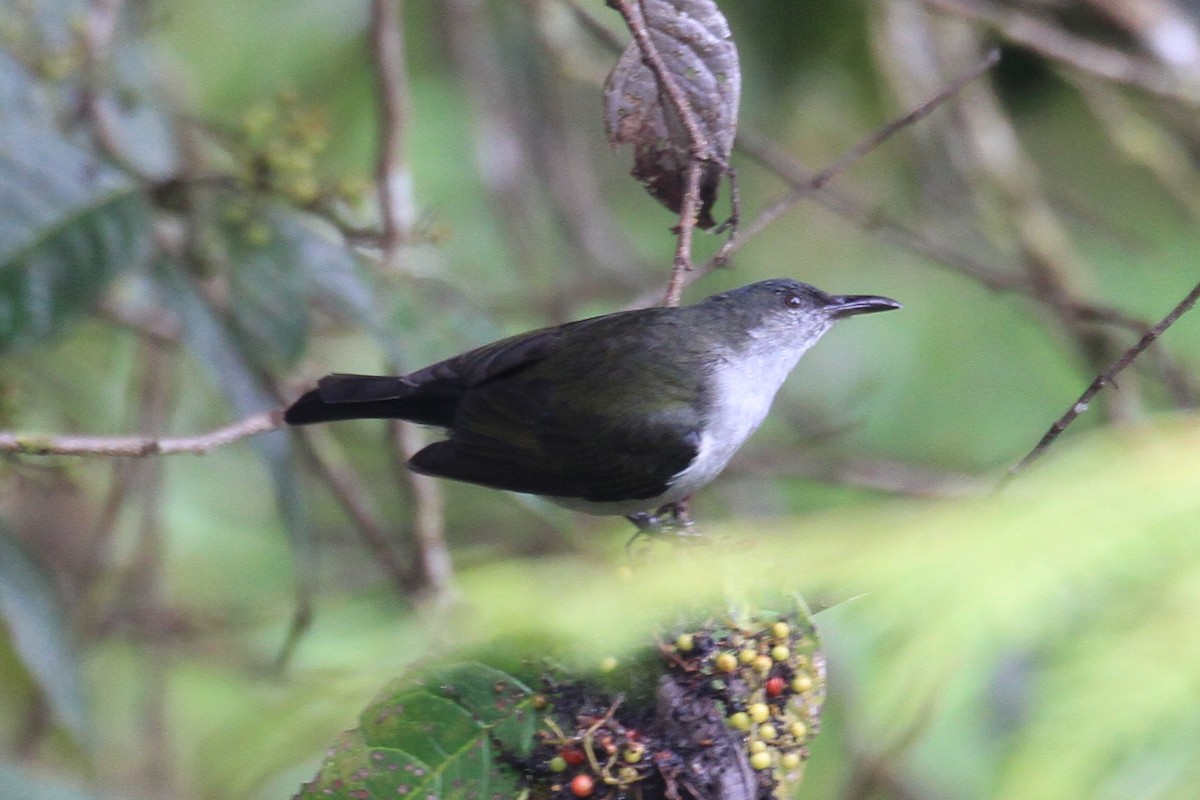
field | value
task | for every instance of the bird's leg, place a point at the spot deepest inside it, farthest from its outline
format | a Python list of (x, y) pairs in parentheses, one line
[(673, 517), (679, 512)]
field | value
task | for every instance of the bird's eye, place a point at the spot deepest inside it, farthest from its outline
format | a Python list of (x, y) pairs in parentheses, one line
[(792, 300)]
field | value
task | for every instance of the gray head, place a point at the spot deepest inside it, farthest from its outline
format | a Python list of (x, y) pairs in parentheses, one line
[(785, 310)]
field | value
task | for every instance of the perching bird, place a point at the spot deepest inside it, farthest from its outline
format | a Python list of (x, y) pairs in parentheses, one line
[(627, 413)]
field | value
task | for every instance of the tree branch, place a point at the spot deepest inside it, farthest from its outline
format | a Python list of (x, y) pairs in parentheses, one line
[(1105, 378), (138, 446)]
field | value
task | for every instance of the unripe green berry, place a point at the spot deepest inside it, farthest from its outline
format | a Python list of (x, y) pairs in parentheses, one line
[(801, 683), (557, 764)]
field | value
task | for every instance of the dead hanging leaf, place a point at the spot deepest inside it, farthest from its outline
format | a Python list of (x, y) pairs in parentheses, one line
[(696, 46)]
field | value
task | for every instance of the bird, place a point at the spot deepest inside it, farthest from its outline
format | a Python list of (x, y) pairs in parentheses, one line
[(627, 414)]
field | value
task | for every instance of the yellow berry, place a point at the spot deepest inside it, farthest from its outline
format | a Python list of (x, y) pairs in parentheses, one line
[(757, 746), (633, 753), (801, 683), (685, 642), (763, 664), (798, 730), (780, 652), (740, 721), (608, 664), (759, 712), (789, 760), (725, 662), (746, 655), (767, 731), (760, 760), (780, 630)]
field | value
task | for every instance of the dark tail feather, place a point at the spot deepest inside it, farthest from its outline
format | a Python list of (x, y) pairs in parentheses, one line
[(339, 397), (312, 408)]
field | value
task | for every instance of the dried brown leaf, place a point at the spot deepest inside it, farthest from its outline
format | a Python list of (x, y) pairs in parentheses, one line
[(694, 42)]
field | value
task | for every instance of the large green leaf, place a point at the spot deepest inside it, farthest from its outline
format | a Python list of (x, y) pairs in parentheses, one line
[(438, 737), (68, 224), (40, 632), (215, 346)]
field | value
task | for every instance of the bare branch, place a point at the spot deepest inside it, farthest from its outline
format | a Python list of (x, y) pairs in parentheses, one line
[(1106, 378), (138, 446)]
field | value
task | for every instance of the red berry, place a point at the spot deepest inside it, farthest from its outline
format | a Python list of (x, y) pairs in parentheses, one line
[(774, 686), (582, 785), (572, 755)]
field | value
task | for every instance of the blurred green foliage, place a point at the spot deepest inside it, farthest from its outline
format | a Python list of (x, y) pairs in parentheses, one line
[(167, 271)]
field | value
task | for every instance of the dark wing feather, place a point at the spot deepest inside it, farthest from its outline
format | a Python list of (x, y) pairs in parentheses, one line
[(429, 396), (523, 438)]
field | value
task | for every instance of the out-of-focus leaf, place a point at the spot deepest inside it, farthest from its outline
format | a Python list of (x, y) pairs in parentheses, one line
[(696, 45), (40, 633), (68, 224), (214, 346), (267, 297), (16, 782), (437, 737)]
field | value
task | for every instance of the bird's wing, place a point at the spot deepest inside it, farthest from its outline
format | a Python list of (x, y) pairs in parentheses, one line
[(521, 437)]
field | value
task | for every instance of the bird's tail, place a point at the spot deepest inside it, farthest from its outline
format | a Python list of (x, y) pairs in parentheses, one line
[(339, 397)]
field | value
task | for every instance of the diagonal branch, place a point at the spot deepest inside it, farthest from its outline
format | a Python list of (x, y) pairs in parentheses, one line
[(1108, 377)]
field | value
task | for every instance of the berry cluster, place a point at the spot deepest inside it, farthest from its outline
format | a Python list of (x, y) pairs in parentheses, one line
[(598, 756), (736, 702), (769, 678)]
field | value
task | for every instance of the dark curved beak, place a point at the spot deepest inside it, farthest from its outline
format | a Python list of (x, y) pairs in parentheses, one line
[(847, 305)]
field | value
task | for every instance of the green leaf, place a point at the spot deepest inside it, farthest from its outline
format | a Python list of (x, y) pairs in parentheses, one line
[(215, 347), (68, 225), (40, 633), (267, 290), (437, 737)]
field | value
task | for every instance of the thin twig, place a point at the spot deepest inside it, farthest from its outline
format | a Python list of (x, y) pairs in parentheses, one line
[(878, 137), (347, 488), (1105, 378), (31, 444), (810, 184), (687, 226)]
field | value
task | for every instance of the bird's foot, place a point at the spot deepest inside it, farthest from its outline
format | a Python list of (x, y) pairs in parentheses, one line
[(671, 518)]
